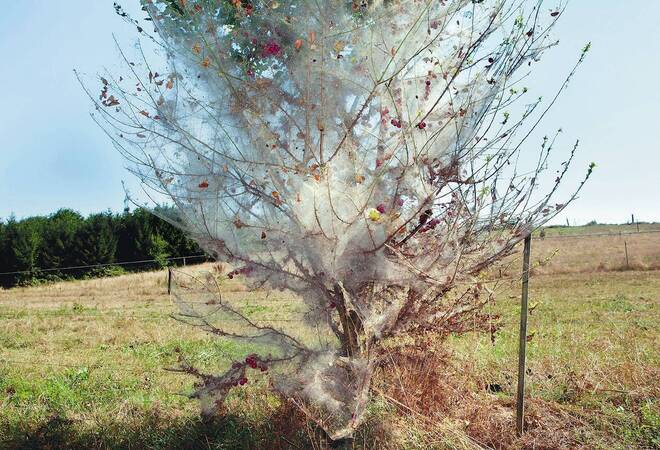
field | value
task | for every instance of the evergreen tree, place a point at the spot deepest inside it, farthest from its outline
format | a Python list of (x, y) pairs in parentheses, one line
[(23, 249), (67, 239), (96, 241), (158, 249), (4, 263), (177, 242), (135, 237), (59, 238)]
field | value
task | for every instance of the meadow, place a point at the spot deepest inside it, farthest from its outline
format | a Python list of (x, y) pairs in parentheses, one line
[(83, 363)]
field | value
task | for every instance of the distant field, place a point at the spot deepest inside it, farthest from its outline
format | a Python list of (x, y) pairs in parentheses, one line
[(81, 364), (595, 248), (601, 228)]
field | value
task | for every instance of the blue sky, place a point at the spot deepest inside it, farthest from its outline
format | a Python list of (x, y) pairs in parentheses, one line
[(52, 155)]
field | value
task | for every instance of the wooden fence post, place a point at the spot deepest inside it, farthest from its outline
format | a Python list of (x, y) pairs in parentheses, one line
[(625, 245), (634, 222), (169, 280), (522, 347)]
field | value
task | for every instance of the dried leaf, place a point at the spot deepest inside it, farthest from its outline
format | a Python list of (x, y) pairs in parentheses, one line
[(339, 46), (238, 224)]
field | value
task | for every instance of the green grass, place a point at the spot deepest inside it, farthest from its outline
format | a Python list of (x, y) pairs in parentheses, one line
[(82, 366), (593, 350)]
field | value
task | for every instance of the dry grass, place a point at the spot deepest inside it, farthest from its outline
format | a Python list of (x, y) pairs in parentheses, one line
[(597, 253), (564, 253), (592, 372), (81, 366)]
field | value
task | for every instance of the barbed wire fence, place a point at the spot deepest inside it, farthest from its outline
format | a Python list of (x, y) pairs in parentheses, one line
[(201, 258), (207, 258), (183, 259), (583, 235)]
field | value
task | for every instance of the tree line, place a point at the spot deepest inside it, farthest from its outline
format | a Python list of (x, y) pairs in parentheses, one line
[(38, 246)]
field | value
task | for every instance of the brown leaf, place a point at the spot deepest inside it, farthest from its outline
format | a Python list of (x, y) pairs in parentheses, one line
[(111, 101)]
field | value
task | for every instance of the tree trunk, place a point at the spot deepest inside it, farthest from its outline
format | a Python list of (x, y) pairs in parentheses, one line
[(350, 323)]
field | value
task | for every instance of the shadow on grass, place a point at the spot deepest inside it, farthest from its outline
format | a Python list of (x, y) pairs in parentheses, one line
[(155, 432)]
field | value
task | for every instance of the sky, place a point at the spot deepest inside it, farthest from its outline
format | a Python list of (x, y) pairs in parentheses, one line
[(52, 155)]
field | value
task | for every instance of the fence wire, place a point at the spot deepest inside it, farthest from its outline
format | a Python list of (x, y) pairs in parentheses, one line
[(192, 257), (96, 266)]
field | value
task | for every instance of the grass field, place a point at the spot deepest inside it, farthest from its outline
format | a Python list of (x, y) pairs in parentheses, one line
[(82, 365)]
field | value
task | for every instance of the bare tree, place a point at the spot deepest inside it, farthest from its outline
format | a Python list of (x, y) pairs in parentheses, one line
[(362, 154)]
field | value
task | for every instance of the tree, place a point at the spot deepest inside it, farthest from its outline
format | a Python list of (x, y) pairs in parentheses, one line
[(24, 240), (40, 246), (135, 232), (361, 154), (4, 255), (96, 241), (59, 238), (177, 243)]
